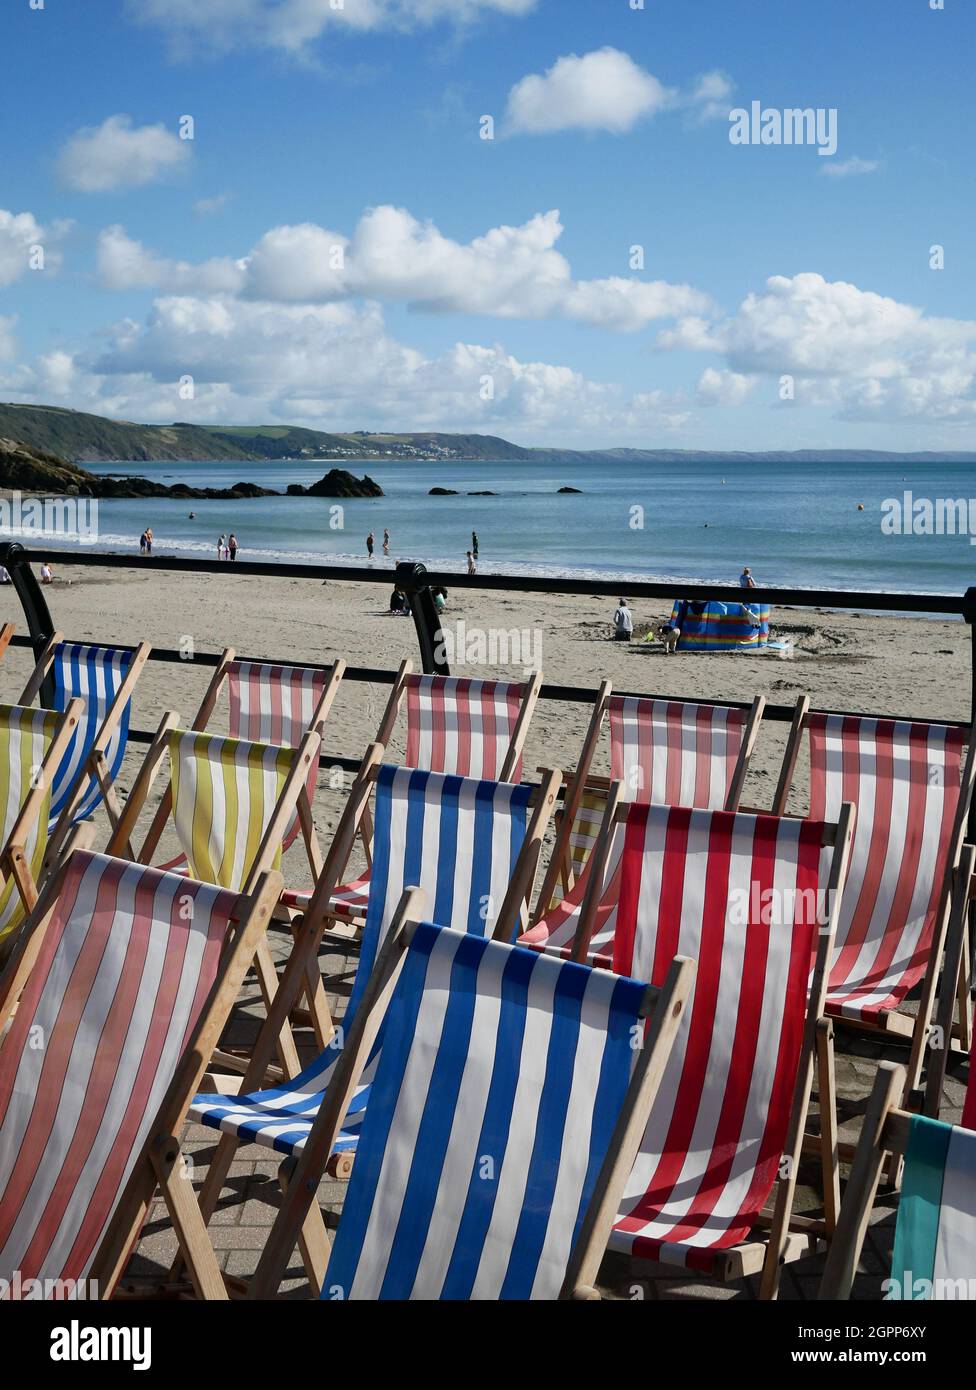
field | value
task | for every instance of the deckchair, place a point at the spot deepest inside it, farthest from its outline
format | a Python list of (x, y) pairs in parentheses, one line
[(230, 803), (754, 899), (935, 1235), (32, 744), (673, 752), (953, 982), (462, 727), (128, 975), (912, 795), (472, 847), (105, 678), (7, 632), (506, 1109)]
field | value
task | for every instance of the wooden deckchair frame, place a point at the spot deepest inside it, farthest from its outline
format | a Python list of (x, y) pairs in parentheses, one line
[(789, 1236), (963, 895), (884, 1133), (121, 846), (6, 637), (560, 865), (157, 1164), (15, 862), (299, 1217), (303, 960), (95, 764), (904, 1027)]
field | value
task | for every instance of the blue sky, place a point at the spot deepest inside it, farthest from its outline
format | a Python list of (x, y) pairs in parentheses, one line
[(786, 298)]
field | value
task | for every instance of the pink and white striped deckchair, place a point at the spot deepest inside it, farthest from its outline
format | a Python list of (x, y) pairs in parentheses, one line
[(912, 796), (128, 974), (461, 727), (752, 898), (672, 752)]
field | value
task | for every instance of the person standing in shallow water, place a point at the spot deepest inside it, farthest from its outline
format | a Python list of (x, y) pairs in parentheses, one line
[(386, 542), (474, 544), (232, 546), (370, 540)]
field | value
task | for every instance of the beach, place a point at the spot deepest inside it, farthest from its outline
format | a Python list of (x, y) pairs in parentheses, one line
[(892, 665)]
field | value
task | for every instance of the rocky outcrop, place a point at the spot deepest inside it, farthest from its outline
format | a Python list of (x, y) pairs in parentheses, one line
[(442, 492), (338, 483)]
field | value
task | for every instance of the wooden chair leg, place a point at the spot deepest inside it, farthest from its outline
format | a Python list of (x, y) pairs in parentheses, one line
[(188, 1222), (313, 1238), (827, 1091)]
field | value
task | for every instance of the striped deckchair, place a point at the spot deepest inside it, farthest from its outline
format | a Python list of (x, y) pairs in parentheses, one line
[(912, 795), (32, 743), (752, 898), (505, 1111), (457, 726), (935, 1236), (672, 752), (953, 992), (472, 847), (105, 678), (127, 974)]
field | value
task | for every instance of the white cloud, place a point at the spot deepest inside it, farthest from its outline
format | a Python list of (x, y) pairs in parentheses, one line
[(602, 90), (724, 388), (8, 343), (711, 96), (862, 354), (118, 154), (508, 272), (292, 26), (124, 264), (207, 207), (847, 168), (20, 233)]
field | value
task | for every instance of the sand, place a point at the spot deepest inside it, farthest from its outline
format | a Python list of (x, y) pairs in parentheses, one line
[(895, 665)]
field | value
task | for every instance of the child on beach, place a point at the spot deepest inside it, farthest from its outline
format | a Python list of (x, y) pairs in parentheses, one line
[(220, 546), (472, 567), (386, 542)]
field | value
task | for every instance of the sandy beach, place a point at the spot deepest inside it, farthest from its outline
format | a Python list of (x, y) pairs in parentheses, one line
[(895, 665)]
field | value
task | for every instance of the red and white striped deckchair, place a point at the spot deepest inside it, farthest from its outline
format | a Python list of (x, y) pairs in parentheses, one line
[(672, 752), (754, 899), (912, 796), (128, 974), (953, 993), (462, 727)]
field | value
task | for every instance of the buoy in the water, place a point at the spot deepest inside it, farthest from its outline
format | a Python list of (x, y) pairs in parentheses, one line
[(860, 506)]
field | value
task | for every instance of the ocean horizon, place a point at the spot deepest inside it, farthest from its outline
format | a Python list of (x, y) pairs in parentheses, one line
[(794, 527)]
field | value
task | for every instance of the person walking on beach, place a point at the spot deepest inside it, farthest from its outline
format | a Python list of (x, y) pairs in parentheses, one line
[(623, 622), (746, 580), (386, 542), (472, 567), (474, 544), (370, 539), (232, 546), (220, 546)]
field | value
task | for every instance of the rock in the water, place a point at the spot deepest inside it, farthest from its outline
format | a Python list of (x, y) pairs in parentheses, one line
[(442, 492), (571, 489), (482, 494), (338, 483)]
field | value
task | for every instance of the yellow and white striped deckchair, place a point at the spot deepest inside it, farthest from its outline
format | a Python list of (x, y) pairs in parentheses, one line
[(32, 742), (225, 792), (582, 838)]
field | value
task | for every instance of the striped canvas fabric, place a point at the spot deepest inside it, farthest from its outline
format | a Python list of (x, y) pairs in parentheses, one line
[(94, 674), (904, 780), (115, 993), (25, 737), (583, 836), (674, 753), (969, 1107), (740, 894), (275, 704), (224, 794), (935, 1237), (461, 726), (501, 1079), (456, 838)]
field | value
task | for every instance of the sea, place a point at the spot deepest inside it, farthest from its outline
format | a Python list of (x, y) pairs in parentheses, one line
[(815, 525)]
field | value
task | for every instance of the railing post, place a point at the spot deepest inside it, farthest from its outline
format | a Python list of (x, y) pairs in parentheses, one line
[(410, 576), (14, 559)]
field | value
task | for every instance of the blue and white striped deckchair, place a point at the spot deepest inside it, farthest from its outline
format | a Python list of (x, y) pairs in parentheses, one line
[(104, 677), (457, 839), (935, 1236), (507, 1101), (471, 847)]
